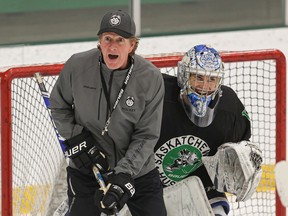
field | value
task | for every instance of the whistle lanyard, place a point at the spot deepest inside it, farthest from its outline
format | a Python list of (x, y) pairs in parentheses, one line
[(120, 94)]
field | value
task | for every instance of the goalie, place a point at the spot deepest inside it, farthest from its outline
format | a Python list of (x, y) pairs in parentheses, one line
[(205, 132)]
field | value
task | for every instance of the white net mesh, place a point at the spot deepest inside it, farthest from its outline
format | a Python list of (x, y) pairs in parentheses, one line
[(38, 161)]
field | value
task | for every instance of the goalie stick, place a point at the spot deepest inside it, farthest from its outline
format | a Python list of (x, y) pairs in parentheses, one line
[(46, 97), (281, 176)]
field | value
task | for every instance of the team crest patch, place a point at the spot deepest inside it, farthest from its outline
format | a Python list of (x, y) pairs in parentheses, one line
[(179, 157), (115, 20), (181, 161), (130, 101)]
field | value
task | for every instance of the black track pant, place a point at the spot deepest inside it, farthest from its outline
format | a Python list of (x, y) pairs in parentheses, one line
[(147, 200)]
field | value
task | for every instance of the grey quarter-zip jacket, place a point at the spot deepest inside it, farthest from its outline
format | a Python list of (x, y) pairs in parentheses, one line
[(78, 100)]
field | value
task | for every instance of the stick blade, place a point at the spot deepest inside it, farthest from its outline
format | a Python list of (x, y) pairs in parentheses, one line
[(281, 176)]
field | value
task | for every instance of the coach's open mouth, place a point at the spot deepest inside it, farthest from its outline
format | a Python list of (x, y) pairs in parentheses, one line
[(111, 56)]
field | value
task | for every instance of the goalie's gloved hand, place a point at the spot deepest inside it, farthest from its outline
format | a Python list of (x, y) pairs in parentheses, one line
[(119, 189), (84, 154)]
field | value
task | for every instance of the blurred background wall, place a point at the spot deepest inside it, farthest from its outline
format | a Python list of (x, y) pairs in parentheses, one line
[(35, 32)]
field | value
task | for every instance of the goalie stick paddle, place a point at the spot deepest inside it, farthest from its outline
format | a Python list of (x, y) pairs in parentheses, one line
[(46, 97), (281, 176)]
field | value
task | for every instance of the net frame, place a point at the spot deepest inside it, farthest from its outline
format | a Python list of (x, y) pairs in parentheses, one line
[(167, 60)]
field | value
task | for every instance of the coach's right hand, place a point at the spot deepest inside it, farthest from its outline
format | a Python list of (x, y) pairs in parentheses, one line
[(84, 154), (119, 189)]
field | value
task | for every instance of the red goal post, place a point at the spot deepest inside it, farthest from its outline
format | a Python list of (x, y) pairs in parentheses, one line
[(258, 77)]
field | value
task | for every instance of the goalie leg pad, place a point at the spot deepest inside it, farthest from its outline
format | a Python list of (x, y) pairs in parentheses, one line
[(187, 197)]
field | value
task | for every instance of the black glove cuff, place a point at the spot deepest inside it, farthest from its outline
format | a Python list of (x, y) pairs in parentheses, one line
[(125, 181), (78, 144), (84, 153)]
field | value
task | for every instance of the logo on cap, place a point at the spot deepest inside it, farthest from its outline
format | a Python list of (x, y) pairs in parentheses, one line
[(115, 20)]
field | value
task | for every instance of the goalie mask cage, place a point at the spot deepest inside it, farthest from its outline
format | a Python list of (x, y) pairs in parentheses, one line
[(31, 156)]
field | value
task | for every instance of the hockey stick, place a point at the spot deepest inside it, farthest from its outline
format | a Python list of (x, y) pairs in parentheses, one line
[(281, 176), (46, 97)]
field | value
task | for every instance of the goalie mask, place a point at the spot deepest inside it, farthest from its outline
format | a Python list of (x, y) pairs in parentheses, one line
[(200, 74)]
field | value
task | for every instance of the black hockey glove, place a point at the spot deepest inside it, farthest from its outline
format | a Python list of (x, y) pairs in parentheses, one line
[(120, 189), (82, 151)]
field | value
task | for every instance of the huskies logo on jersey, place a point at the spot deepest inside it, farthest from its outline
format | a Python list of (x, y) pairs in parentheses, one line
[(179, 157)]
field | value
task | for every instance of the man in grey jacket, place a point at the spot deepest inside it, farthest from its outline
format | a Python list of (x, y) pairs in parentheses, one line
[(107, 104)]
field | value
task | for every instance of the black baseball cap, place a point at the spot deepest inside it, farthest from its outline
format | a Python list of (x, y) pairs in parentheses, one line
[(118, 22)]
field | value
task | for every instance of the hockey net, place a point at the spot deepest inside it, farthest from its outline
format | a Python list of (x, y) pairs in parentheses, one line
[(32, 161)]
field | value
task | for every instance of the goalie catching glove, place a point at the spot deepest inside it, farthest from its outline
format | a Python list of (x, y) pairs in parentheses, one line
[(84, 154), (235, 168), (120, 188)]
